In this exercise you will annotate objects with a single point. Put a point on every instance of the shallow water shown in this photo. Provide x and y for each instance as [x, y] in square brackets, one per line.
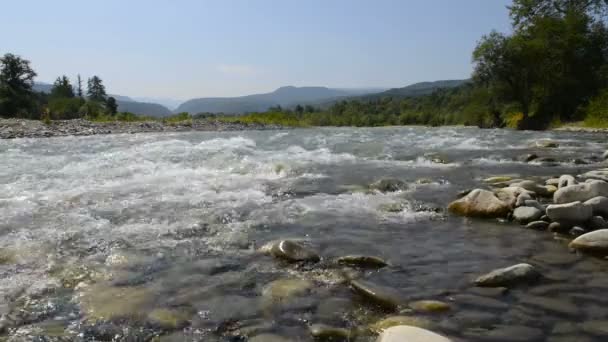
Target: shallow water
[172, 221]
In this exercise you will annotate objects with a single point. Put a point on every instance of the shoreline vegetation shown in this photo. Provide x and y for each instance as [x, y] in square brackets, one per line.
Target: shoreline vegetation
[551, 71]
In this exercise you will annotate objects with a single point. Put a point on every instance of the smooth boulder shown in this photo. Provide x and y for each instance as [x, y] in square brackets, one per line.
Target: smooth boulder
[532, 186]
[525, 215]
[599, 205]
[380, 295]
[605, 155]
[509, 276]
[593, 242]
[581, 192]
[290, 250]
[480, 203]
[575, 212]
[404, 333]
[566, 180]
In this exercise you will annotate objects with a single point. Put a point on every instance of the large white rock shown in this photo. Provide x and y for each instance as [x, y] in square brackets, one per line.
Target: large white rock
[532, 186]
[601, 174]
[525, 215]
[599, 205]
[575, 212]
[581, 192]
[595, 242]
[566, 180]
[480, 203]
[405, 333]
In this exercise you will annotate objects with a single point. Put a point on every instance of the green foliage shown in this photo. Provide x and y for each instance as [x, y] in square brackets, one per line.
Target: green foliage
[111, 106]
[272, 117]
[62, 88]
[65, 108]
[16, 81]
[597, 111]
[91, 109]
[96, 90]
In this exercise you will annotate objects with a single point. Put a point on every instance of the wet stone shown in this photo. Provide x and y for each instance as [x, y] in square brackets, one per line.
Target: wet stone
[169, 319]
[559, 306]
[538, 225]
[293, 251]
[269, 338]
[509, 276]
[322, 332]
[430, 306]
[480, 302]
[505, 333]
[596, 328]
[411, 334]
[388, 185]
[362, 261]
[377, 294]
[393, 321]
[284, 289]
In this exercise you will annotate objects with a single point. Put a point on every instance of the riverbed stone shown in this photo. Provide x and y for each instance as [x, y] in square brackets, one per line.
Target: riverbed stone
[526, 158]
[575, 212]
[430, 306]
[403, 333]
[538, 225]
[566, 180]
[363, 261]
[599, 205]
[576, 231]
[557, 306]
[597, 222]
[581, 192]
[605, 155]
[104, 303]
[511, 194]
[393, 321]
[497, 179]
[601, 174]
[322, 332]
[480, 203]
[552, 181]
[525, 215]
[377, 294]
[284, 289]
[546, 143]
[509, 276]
[506, 333]
[596, 327]
[269, 338]
[534, 187]
[388, 185]
[593, 242]
[522, 199]
[169, 319]
[290, 250]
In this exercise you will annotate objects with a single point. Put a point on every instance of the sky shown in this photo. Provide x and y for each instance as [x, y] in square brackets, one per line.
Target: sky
[183, 49]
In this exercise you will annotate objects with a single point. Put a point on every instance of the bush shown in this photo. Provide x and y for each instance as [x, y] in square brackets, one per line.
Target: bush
[597, 111]
[65, 108]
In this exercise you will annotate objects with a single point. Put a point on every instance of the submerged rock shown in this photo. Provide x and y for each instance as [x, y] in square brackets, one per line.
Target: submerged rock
[269, 338]
[594, 242]
[363, 261]
[105, 303]
[596, 328]
[546, 144]
[581, 192]
[284, 289]
[575, 212]
[526, 158]
[509, 276]
[388, 185]
[290, 250]
[169, 319]
[525, 215]
[498, 179]
[538, 225]
[324, 332]
[431, 306]
[380, 295]
[403, 333]
[480, 203]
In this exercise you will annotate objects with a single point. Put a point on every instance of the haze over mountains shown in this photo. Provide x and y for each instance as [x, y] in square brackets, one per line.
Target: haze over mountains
[286, 97]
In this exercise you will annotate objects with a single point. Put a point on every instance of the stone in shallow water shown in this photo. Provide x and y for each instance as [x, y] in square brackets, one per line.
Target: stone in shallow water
[525, 215]
[538, 225]
[577, 231]
[480, 302]
[362, 261]
[480, 203]
[290, 250]
[380, 295]
[324, 332]
[509, 276]
[597, 222]
[599, 205]
[284, 289]
[565, 180]
[506, 333]
[575, 212]
[404, 333]
[103, 303]
[594, 242]
[269, 338]
[558, 306]
[388, 185]
[546, 143]
[169, 319]
[596, 328]
[431, 306]
[581, 192]
[393, 321]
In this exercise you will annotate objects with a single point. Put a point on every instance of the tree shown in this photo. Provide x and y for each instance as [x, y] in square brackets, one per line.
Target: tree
[96, 90]
[111, 106]
[524, 12]
[62, 88]
[79, 86]
[16, 82]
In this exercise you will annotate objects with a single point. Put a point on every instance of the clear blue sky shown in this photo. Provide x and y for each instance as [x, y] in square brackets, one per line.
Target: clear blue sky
[195, 48]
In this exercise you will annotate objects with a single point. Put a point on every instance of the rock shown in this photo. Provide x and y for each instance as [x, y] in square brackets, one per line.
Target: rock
[556, 227]
[324, 332]
[596, 328]
[601, 174]
[575, 212]
[169, 319]
[522, 199]
[363, 261]
[404, 333]
[291, 251]
[559, 306]
[511, 194]
[105, 303]
[506, 333]
[581, 192]
[538, 225]
[525, 215]
[480, 302]
[545, 218]
[526, 158]
[509, 276]
[388, 185]
[284, 289]
[498, 179]
[435, 158]
[268, 338]
[463, 193]
[566, 180]
[605, 155]
[546, 143]
[380, 295]
[551, 189]
[599, 205]
[577, 231]
[393, 321]
[430, 306]
[480, 203]
[593, 242]
[532, 186]
[552, 181]
[597, 222]
[535, 204]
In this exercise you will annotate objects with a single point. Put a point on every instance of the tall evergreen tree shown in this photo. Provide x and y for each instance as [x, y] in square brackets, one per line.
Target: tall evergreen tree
[16, 82]
[111, 106]
[62, 88]
[96, 90]
[79, 86]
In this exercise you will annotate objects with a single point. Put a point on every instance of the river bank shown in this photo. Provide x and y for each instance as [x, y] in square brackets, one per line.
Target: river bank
[22, 128]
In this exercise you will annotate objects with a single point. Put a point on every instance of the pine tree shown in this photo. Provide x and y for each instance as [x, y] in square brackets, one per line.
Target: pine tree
[62, 88]
[79, 86]
[96, 90]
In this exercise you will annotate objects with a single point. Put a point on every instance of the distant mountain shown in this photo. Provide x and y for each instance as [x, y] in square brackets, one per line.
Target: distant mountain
[284, 96]
[143, 108]
[418, 89]
[42, 87]
[165, 101]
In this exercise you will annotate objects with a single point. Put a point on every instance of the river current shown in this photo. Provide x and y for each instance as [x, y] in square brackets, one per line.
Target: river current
[130, 237]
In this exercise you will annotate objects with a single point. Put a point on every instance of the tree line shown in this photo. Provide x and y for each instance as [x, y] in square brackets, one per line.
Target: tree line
[18, 98]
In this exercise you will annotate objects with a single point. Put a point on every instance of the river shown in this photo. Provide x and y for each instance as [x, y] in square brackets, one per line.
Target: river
[131, 236]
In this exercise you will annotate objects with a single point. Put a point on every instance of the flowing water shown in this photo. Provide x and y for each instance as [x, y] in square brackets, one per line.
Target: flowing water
[102, 235]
